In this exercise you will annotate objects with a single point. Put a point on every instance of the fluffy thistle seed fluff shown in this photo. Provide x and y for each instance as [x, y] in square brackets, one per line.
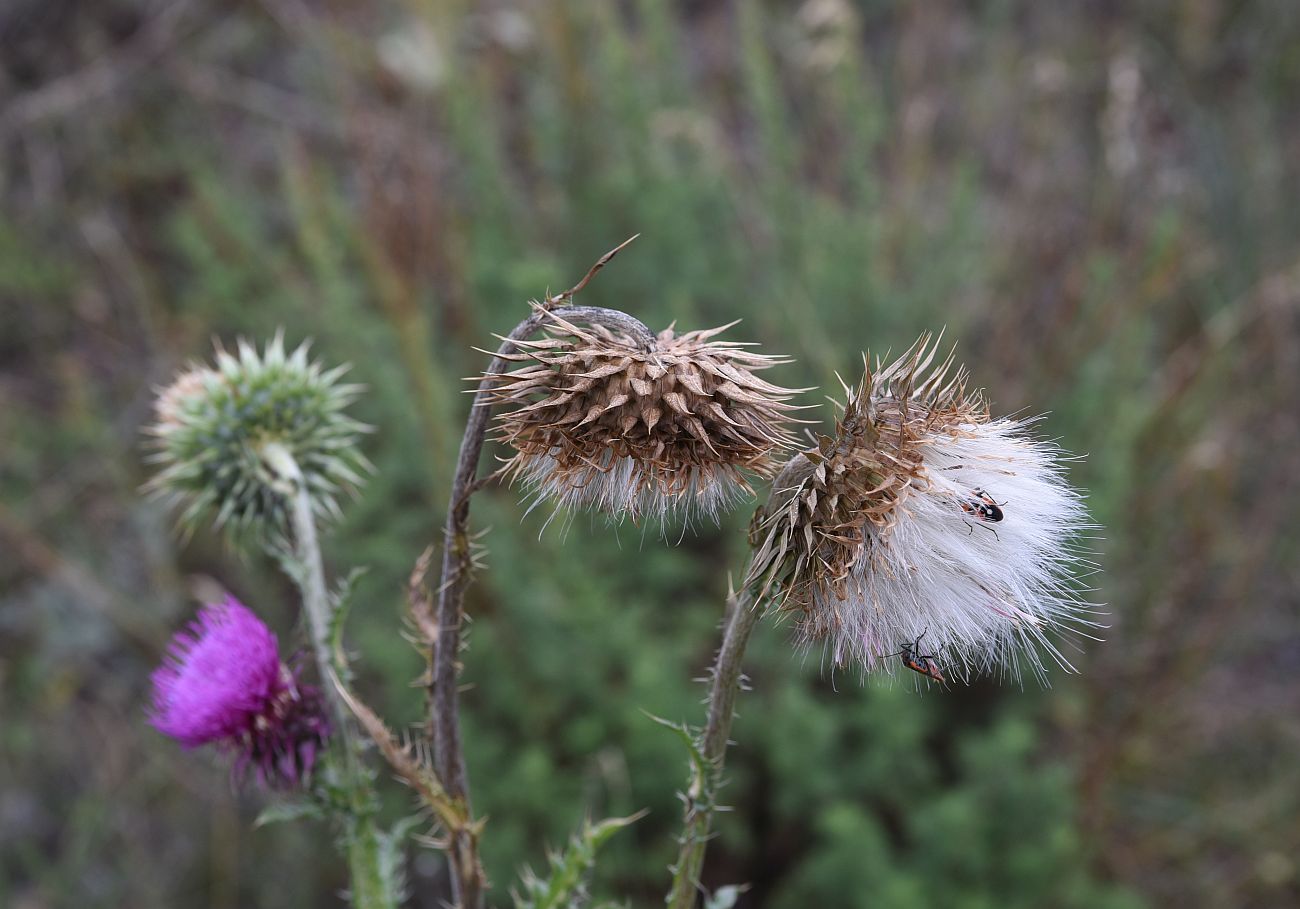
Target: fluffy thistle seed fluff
[597, 421]
[221, 434]
[925, 518]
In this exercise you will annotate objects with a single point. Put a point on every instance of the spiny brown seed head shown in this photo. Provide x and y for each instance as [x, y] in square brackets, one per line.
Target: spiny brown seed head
[829, 501]
[596, 420]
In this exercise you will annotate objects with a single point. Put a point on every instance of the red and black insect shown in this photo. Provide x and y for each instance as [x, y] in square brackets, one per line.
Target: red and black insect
[983, 508]
[923, 663]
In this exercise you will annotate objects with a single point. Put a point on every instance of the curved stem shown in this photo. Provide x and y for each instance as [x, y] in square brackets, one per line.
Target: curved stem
[743, 615]
[466, 872]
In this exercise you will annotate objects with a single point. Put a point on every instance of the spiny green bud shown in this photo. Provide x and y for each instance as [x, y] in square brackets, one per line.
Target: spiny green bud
[237, 438]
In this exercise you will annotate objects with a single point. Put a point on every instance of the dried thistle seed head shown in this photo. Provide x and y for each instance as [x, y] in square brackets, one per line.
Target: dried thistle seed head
[227, 437]
[923, 518]
[596, 420]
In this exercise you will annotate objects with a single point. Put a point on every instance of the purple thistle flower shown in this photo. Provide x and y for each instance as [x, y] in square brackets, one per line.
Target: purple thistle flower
[223, 682]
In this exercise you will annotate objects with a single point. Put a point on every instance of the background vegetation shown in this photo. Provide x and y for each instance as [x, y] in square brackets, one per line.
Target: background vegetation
[1098, 200]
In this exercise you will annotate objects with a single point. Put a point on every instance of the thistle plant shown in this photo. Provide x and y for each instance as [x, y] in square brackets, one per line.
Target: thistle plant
[919, 518]
[261, 443]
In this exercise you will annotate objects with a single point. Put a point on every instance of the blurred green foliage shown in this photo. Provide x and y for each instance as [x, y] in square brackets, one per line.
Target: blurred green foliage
[1097, 200]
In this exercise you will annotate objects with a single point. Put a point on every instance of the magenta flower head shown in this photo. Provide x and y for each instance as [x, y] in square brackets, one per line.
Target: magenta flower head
[223, 683]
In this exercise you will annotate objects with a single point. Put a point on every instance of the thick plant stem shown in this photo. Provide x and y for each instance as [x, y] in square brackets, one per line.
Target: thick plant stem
[743, 615]
[310, 577]
[316, 605]
[468, 882]
[370, 889]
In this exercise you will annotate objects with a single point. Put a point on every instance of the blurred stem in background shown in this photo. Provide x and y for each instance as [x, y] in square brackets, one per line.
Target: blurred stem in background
[370, 886]
[311, 583]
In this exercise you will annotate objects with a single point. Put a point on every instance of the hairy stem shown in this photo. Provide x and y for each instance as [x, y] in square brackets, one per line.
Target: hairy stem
[311, 580]
[466, 872]
[742, 615]
[365, 870]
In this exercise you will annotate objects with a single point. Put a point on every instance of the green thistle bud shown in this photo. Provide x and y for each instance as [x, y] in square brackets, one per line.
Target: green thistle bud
[236, 439]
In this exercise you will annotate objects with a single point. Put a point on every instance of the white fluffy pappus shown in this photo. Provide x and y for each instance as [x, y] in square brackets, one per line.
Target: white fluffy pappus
[621, 486]
[978, 594]
[924, 534]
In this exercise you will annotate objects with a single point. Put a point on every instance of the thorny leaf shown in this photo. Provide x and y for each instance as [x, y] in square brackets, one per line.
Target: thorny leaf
[566, 887]
[392, 865]
[340, 607]
[410, 765]
[702, 769]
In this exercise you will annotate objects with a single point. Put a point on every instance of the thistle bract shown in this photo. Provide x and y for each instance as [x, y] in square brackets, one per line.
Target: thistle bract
[598, 421]
[223, 683]
[232, 439]
[923, 518]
